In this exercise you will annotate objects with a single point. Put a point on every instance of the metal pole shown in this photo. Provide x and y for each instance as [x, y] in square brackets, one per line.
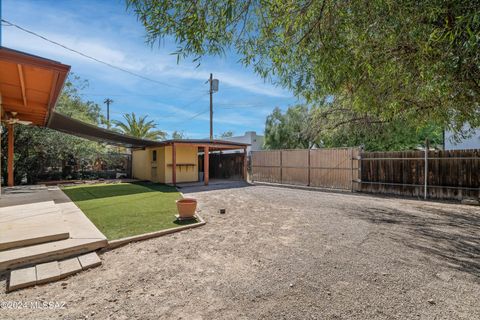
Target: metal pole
[426, 169]
[211, 107]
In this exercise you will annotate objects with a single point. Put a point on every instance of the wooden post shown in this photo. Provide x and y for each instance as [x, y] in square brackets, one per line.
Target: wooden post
[245, 160]
[174, 164]
[206, 151]
[427, 146]
[10, 155]
[281, 167]
[351, 169]
[308, 155]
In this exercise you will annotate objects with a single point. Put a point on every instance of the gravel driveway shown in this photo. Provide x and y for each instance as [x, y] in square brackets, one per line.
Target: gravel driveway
[283, 253]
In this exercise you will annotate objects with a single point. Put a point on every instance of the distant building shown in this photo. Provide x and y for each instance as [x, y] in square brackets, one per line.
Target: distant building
[472, 142]
[250, 137]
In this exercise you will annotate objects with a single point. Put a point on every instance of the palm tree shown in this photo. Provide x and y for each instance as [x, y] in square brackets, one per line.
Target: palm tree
[140, 128]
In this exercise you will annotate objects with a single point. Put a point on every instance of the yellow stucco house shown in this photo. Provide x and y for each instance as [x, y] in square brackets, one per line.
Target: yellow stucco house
[177, 161]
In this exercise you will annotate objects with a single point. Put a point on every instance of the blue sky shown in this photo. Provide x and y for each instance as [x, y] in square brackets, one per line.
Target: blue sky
[105, 30]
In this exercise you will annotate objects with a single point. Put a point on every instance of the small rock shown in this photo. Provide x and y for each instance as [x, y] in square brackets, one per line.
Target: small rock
[64, 284]
[291, 285]
[431, 301]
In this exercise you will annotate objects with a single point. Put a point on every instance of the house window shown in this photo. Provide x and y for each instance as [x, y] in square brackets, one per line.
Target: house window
[154, 155]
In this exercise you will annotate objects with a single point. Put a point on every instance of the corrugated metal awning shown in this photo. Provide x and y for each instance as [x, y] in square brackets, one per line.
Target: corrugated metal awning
[88, 131]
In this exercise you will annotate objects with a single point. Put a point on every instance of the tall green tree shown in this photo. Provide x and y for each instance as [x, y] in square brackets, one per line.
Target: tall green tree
[288, 130]
[415, 60]
[330, 125]
[139, 127]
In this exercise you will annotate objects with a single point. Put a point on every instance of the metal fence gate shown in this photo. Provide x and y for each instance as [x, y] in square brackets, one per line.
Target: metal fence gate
[325, 168]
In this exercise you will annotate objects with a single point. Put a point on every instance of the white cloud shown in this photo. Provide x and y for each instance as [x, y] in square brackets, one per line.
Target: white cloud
[231, 78]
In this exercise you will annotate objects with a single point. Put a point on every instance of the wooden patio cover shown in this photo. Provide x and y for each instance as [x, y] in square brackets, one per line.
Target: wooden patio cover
[29, 89]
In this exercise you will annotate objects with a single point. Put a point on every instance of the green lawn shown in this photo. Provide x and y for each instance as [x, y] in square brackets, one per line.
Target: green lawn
[127, 209]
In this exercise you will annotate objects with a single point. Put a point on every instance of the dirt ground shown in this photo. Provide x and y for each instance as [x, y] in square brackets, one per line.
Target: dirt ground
[283, 253]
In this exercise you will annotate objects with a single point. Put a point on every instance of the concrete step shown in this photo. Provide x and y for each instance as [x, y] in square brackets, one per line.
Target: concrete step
[45, 252]
[24, 225]
[51, 271]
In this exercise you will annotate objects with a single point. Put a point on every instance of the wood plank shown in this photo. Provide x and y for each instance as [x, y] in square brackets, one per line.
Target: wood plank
[22, 84]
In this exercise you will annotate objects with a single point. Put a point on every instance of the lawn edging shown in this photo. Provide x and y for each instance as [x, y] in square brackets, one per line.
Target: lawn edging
[113, 244]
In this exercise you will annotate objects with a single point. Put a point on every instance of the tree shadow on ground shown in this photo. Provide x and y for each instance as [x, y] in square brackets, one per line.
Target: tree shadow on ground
[451, 237]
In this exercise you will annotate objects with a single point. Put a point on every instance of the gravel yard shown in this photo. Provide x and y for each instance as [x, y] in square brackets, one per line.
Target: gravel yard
[283, 253]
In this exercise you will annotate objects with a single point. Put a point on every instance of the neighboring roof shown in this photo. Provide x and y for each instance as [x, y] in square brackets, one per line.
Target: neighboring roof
[85, 130]
[30, 85]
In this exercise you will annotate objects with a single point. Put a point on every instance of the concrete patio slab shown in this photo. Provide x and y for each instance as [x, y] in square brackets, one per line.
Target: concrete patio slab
[22, 278]
[89, 260]
[47, 272]
[30, 224]
[54, 212]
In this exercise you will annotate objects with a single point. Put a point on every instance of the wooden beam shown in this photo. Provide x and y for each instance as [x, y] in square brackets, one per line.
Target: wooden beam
[210, 145]
[174, 164]
[206, 165]
[22, 84]
[52, 99]
[10, 154]
[16, 103]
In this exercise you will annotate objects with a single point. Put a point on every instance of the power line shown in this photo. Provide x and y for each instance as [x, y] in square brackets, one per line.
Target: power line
[172, 115]
[90, 57]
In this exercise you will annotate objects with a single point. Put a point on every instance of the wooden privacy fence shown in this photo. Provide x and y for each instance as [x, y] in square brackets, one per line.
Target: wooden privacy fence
[325, 168]
[451, 174]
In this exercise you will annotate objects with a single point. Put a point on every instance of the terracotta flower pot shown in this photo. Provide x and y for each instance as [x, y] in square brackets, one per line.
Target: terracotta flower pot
[186, 207]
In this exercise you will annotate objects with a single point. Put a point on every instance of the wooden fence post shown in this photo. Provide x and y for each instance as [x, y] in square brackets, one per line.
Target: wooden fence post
[308, 155]
[351, 169]
[281, 167]
[359, 163]
[426, 169]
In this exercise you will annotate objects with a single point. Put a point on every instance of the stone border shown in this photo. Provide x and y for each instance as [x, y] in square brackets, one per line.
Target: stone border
[113, 244]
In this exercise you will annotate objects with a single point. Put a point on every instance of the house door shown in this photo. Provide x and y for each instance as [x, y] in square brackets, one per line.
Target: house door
[153, 173]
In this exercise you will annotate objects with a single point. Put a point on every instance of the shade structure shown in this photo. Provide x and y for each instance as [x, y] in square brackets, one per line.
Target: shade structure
[88, 131]
[29, 89]
[29, 85]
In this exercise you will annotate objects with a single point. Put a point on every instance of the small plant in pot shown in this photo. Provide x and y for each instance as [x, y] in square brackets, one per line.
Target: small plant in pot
[186, 208]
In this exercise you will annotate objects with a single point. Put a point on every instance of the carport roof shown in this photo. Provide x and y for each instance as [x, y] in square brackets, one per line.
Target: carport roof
[88, 131]
[30, 85]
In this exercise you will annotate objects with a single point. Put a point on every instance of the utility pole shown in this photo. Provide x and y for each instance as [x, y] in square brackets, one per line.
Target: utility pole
[211, 108]
[213, 88]
[108, 101]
